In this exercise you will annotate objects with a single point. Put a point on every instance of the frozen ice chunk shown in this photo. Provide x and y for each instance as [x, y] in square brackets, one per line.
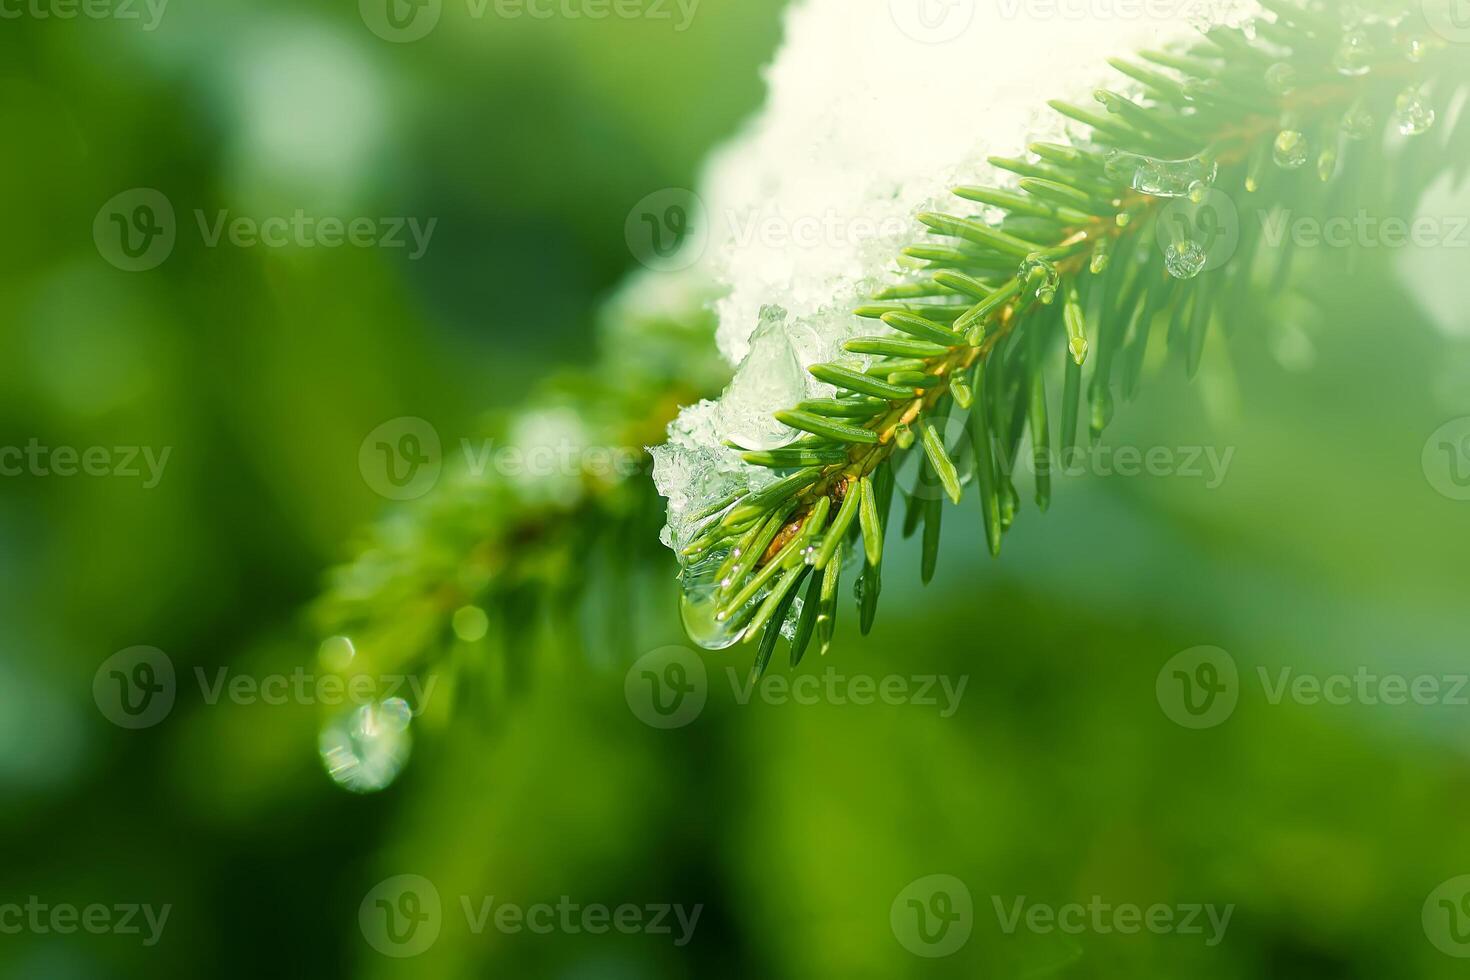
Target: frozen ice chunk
[769, 375]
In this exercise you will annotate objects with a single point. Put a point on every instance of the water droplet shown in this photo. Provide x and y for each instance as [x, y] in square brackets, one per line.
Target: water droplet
[1355, 55]
[1101, 414]
[1412, 114]
[336, 653]
[1290, 150]
[1198, 191]
[470, 623]
[700, 600]
[1358, 123]
[1185, 259]
[1327, 164]
[1281, 78]
[1160, 178]
[1042, 275]
[365, 748]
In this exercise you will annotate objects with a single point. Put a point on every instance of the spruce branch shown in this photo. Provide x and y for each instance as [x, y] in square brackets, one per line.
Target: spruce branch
[484, 560]
[1060, 271]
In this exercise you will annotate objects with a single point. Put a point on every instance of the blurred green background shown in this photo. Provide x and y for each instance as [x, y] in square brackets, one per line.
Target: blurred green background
[795, 827]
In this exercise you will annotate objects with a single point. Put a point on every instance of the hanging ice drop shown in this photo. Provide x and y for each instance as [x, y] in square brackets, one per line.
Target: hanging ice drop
[769, 375]
[1412, 114]
[1159, 178]
[1185, 259]
[1290, 150]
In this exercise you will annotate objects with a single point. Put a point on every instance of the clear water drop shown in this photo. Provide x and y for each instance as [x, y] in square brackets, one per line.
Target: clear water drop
[1358, 123]
[1281, 78]
[1043, 274]
[1290, 150]
[1160, 178]
[1355, 55]
[1412, 114]
[470, 623]
[1414, 46]
[1185, 259]
[365, 748]
[336, 653]
[700, 600]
